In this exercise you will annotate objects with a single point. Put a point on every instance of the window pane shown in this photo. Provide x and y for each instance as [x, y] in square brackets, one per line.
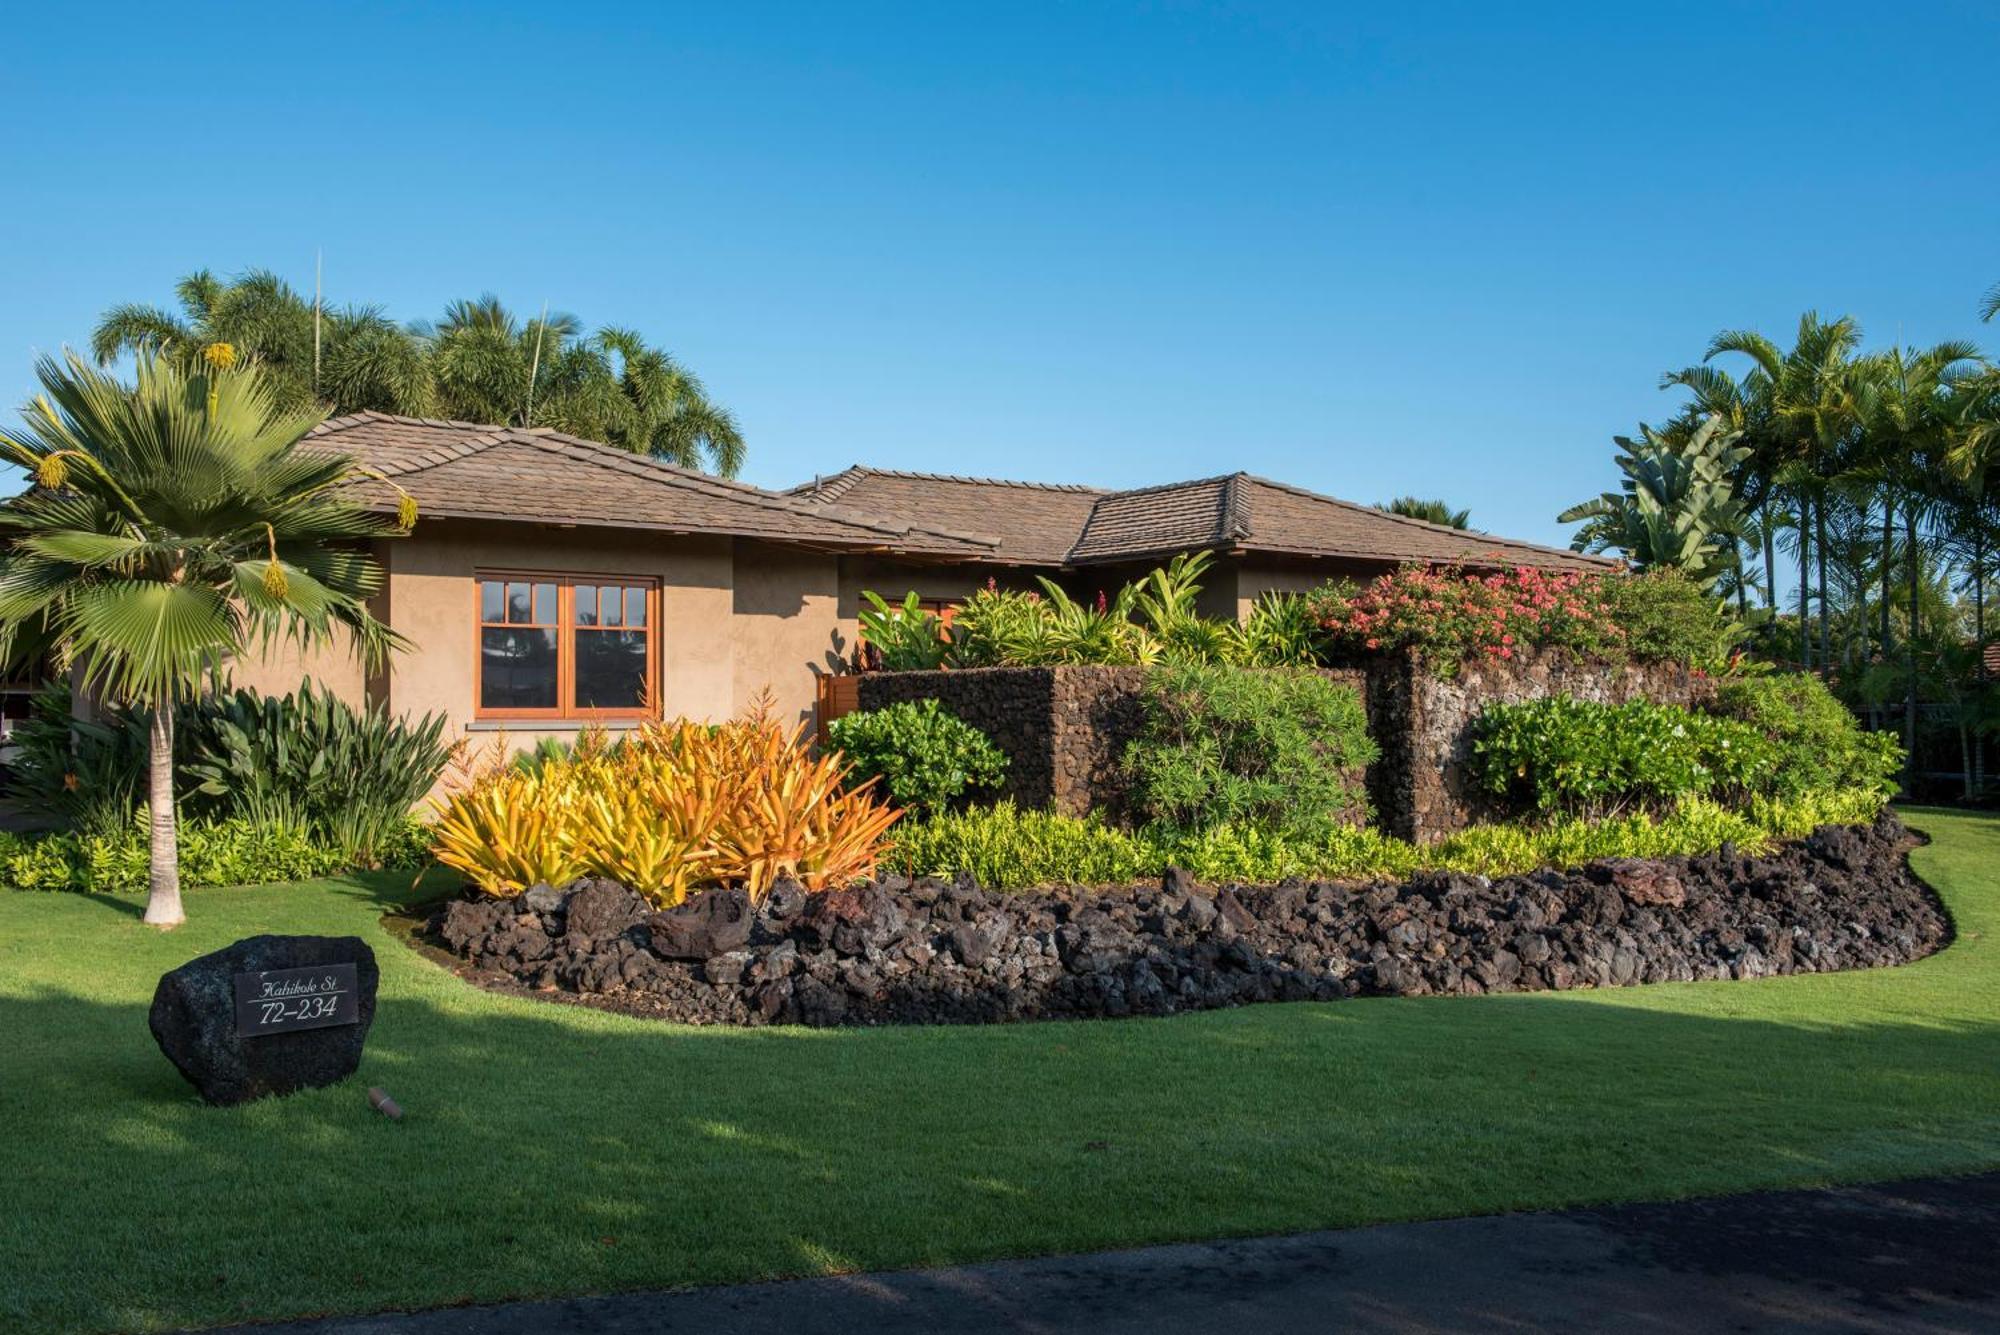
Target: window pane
[545, 604]
[492, 600]
[635, 607]
[517, 668]
[518, 607]
[586, 604]
[610, 669]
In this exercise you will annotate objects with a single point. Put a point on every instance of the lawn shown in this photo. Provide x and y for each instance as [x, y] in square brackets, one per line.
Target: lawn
[555, 1150]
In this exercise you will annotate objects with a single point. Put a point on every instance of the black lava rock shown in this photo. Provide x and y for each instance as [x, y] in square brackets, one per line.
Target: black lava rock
[193, 1019]
[935, 952]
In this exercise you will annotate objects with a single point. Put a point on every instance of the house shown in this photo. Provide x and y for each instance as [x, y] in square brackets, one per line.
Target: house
[553, 582]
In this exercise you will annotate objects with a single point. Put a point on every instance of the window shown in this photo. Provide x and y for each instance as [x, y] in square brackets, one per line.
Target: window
[573, 646]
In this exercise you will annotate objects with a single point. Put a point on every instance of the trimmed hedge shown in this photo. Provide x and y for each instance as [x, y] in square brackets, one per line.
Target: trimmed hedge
[226, 852]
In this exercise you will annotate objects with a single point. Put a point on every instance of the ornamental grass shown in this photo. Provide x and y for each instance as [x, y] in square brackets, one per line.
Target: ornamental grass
[672, 807]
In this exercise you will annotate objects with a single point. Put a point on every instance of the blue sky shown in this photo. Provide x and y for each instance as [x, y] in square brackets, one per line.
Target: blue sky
[1372, 249]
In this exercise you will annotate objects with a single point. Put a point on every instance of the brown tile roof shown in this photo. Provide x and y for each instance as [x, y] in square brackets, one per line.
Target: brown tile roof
[1043, 524]
[467, 471]
[1033, 523]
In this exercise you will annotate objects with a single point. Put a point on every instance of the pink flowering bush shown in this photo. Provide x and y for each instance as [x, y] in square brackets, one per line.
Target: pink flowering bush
[1453, 615]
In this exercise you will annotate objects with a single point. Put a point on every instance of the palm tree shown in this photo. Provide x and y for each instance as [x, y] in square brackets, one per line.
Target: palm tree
[1677, 507]
[476, 363]
[353, 357]
[610, 386]
[173, 524]
[1432, 512]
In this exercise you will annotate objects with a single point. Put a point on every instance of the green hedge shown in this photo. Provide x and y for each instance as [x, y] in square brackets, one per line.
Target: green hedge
[227, 852]
[1006, 848]
[1779, 736]
[1276, 748]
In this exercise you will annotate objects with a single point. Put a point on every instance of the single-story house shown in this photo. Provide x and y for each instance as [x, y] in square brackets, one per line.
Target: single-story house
[553, 582]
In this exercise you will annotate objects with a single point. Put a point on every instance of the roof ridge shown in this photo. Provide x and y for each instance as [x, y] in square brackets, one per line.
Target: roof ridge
[1446, 530]
[854, 473]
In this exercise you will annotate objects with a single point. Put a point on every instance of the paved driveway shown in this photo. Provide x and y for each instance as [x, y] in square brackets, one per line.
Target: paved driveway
[1911, 1256]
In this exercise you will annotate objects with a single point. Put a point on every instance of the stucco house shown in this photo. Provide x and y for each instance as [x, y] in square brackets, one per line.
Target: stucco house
[554, 582]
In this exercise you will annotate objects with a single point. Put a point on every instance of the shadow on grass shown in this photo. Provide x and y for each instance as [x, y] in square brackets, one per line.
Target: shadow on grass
[551, 1150]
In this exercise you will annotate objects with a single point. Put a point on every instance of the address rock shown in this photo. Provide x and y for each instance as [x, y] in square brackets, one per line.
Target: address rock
[193, 1018]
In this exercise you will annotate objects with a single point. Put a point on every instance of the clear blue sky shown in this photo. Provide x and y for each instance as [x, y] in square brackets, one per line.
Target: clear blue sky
[1371, 249]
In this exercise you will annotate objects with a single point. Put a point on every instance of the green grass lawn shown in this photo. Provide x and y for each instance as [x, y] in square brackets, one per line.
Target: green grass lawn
[553, 1150]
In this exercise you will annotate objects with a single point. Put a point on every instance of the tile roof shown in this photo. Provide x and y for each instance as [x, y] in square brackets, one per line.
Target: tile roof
[1033, 523]
[466, 470]
[1044, 524]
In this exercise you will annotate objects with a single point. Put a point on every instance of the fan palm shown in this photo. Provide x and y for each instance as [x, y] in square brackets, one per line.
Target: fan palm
[173, 524]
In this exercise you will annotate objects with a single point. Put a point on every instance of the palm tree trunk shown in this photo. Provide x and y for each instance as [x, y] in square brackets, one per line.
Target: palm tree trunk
[1888, 571]
[1910, 656]
[1819, 554]
[1979, 636]
[1805, 582]
[1770, 559]
[163, 898]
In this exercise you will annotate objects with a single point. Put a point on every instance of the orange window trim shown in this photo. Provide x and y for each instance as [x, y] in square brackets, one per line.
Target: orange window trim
[566, 630]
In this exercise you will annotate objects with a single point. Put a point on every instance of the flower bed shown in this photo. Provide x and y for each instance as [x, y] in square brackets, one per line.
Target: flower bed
[930, 951]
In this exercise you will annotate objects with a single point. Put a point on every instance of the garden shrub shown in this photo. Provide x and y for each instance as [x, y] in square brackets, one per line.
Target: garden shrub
[677, 805]
[1818, 742]
[1280, 749]
[347, 777]
[236, 851]
[923, 758]
[1005, 847]
[1583, 758]
[1452, 616]
[901, 638]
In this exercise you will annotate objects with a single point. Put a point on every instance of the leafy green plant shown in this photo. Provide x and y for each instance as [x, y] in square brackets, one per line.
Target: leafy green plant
[227, 852]
[1819, 744]
[1584, 758]
[924, 759]
[1007, 848]
[1281, 631]
[79, 774]
[1281, 749]
[904, 637]
[349, 777]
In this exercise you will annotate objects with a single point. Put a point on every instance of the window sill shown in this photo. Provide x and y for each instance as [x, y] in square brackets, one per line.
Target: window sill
[556, 724]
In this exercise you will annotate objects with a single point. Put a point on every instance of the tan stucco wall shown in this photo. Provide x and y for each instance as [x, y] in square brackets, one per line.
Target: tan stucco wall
[279, 668]
[785, 626]
[1256, 577]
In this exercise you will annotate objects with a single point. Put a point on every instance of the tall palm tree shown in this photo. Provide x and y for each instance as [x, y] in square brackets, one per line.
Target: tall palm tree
[1811, 425]
[352, 357]
[476, 363]
[173, 524]
[1433, 511]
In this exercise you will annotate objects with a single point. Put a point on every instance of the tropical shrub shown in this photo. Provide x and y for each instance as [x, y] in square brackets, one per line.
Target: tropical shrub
[1453, 616]
[1583, 758]
[925, 759]
[235, 851]
[348, 777]
[902, 638]
[1280, 749]
[1819, 743]
[675, 806]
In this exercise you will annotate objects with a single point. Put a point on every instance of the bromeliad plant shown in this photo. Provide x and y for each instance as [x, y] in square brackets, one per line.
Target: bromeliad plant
[173, 524]
[675, 806]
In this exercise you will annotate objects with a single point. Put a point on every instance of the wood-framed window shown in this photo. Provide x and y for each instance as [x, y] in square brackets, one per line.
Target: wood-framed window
[565, 646]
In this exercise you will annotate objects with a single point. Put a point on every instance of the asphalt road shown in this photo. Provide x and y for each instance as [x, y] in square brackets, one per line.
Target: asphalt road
[1911, 1256]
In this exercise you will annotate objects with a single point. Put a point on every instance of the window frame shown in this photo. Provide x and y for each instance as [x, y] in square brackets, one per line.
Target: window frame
[565, 710]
